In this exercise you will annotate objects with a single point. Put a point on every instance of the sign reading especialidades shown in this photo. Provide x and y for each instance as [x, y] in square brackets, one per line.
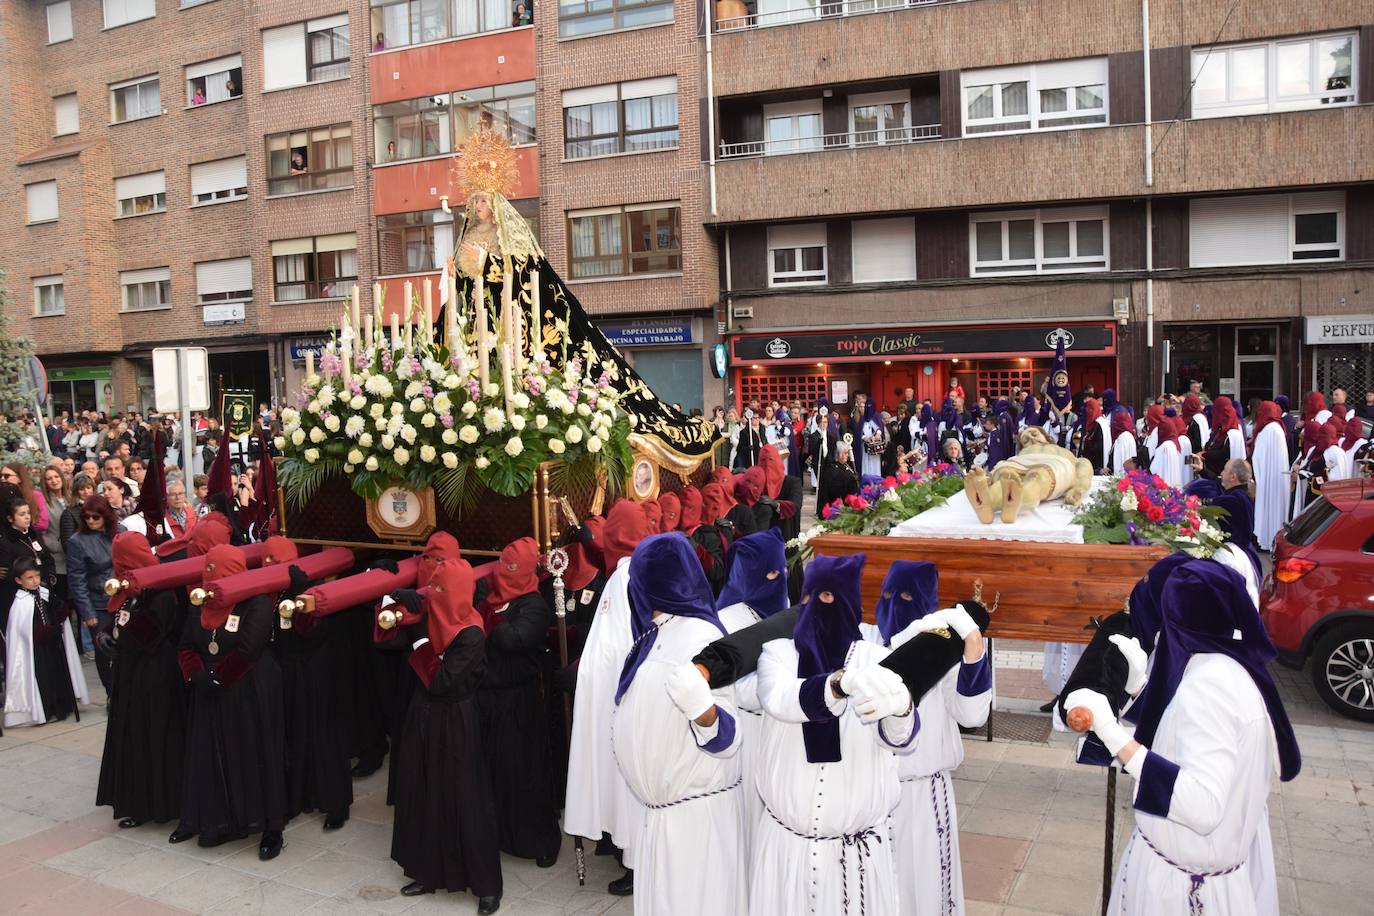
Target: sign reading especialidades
[1340, 329]
[649, 332]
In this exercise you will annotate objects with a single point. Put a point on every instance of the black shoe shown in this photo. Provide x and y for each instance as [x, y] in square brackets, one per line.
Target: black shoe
[415, 889]
[488, 905]
[548, 861]
[623, 886]
[335, 821]
[181, 834]
[604, 846]
[270, 846]
[364, 768]
[1050, 705]
[128, 822]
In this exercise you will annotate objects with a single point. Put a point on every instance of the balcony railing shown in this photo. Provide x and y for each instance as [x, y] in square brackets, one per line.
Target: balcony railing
[804, 11]
[859, 139]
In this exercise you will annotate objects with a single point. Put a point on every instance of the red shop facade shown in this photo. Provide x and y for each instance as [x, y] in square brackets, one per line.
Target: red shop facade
[987, 360]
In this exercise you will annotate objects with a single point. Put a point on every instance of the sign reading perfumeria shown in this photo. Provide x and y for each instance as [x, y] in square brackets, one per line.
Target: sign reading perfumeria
[1340, 329]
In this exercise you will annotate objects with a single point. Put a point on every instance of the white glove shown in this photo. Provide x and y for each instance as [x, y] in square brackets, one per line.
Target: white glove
[1108, 730]
[1136, 659]
[959, 620]
[879, 693]
[689, 691]
[917, 627]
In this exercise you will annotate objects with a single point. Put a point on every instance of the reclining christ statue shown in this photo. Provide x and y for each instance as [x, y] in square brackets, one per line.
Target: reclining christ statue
[1039, 471]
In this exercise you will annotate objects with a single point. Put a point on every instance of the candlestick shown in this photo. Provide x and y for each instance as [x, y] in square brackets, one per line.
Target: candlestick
[357, 306]
[369, 340]
[347, 353]
[507, 360]
[479, 305]
[309, 364]
[427, 297]
[377, 296]
[395, 330]
[536, 316]
[451, 324]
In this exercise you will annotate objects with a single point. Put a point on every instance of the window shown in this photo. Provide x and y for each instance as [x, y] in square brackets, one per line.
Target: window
[1038, 241]
[1049, 96]
[66, 115]
[437, 125]
[214, 81]
[413, 242]
[410, 22]
[48, 297]
[122, 12]
[884, 249]
[620, 118]
[317, 159]
[587, 17]
[140, 98]
[219, 181]
[796, 255]
[305, 52]
[793, 127]
[59, 22]
[136, 195]
[325, 267]
[230, 280]
[880, 117]
[42, 201]
[1266, 229]
[624, 241]
[1274, 76]
[146, 289]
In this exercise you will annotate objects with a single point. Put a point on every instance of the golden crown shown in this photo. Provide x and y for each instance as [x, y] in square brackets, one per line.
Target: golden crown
[487, 163]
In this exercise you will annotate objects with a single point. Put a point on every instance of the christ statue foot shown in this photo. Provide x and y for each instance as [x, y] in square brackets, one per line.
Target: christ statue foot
[1011, 496]
[979, 496]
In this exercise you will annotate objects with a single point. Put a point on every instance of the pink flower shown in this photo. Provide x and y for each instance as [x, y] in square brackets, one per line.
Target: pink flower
[903, 477]
[1123, 485]
[1159, 482]
[447, 420]
[1192, 502]
[1154, 514]
[890, 482]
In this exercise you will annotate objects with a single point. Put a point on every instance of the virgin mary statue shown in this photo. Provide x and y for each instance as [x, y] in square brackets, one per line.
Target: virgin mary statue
[495, 242]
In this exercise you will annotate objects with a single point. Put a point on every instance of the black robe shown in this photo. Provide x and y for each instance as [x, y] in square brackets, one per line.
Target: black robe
[318, 776]
[445, 833]
[791, 492]
[235, 757]
[837, 481]
[1092, 448]
[365, 685]
[514, 733]
[145, 738]
[16, 545]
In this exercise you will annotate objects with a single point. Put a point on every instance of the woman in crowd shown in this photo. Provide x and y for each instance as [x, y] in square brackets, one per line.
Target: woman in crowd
[18, 540]
[90, 561]
[56, 498]
[120, 496]
[952, 453]
[18, 475]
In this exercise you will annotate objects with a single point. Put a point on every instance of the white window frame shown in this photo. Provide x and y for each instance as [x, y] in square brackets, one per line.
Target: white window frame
[28, 203]
[1037, 77]
[63, 32]
[224, 195]
[797, 143]
[1293, 206]
[142, 279]
[1039, 264]
[57, 116]
[793, 239]
[892, 268]
[105, 8]
[1272, 100]
[219, 296]
[885, 132]
[136, 83]
[223, 66]
[158, 198]
[53, 281]
[1303, 204]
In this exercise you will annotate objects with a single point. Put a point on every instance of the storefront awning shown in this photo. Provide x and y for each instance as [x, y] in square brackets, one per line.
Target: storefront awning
[963, 342]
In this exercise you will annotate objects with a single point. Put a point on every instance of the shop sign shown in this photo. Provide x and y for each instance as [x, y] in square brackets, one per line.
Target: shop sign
[223, 313]
[1340, 329]
[1012, 340]
[303, 345]
[648, 332]
[80, 374]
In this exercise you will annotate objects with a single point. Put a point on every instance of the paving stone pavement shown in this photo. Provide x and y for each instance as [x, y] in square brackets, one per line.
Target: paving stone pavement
[1031, 835]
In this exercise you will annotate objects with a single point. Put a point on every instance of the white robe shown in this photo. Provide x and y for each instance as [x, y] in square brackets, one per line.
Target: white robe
[1168, 463]
[1232, 557]
[1300, 488]
[23, 704]
[1123, 449]
[598, 800]
[1204, 427]
[925, 827]
[1060, 660]
[1236, 439]
[1271, 483]
[746, 698]
[872, 464]
[836, 815]
[1338, 463]
[1185, 449]
[1217, 731]
[1152, 441]
[690, 857]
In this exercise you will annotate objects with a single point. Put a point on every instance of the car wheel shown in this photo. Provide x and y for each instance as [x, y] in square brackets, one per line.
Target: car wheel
[1343, 670]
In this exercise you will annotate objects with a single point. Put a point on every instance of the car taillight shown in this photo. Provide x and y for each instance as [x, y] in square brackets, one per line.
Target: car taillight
[1291, 570]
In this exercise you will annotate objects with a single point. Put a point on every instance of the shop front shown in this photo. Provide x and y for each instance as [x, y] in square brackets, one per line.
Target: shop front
[986, 361]
[667, 353]
[1248, 360]
[76, 388]
[1342, 353]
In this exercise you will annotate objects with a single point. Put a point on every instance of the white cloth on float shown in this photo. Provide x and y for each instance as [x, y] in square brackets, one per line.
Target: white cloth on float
[1270, 463]
[1050, 522]
[23, 703]
[598, 799]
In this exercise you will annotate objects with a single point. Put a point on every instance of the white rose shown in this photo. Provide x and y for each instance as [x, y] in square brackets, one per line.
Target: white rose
[290, 415]
[428, 421]
[354, 427]
[514, 446]
[442, 402]
[468, 434]
[450, 436]
[520, 400]
[414, 388]
[298, 437]
[492, 389]
[365, 440]
[357, 402]
[376, 411]
[517, 422]
[355, 456]
[540, 421]
[583, 410]
[371, 464]
[312, 455]
[313, 407]
[482, 462]
[279, 443]
[417, 405]
[634, 421]
[556, 446]
[380, 423]
[331, 423]
[468, 409]
[397, 408]
[408, 433]
[348, 468]
[401, 456]
[574, 434]
[450, 460]
[594, 444]
[388, 441]
[428, 454]
[493, 419]
[451, 381]
[566, 406]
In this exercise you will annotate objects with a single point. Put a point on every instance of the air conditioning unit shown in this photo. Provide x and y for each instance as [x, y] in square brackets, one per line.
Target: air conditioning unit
[744, 311]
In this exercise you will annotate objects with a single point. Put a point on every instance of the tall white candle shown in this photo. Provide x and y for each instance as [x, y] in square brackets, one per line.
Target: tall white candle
[427, 298]
[346, 351]
[536, 316]
[479, 305]
[356, 311]
[309, 364]
[395, 331]
[369, 341]
[507, 361]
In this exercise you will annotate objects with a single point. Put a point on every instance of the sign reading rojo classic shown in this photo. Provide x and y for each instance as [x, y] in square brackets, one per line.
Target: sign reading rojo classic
[1007, 340]
[1340, 329]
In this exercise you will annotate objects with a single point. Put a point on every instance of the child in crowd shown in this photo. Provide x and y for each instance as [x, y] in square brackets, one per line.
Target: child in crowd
[45, 680]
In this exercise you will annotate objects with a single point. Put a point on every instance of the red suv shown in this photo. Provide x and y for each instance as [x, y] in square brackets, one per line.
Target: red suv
[1318, 603]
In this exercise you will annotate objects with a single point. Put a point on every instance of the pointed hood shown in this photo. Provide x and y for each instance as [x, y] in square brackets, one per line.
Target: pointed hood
[750, 562]
[827, 625]
[626, 526]
[130, 551]
[774, 471]
[911, 590]
[221, 562]
[691, 510]
[448, 603]
[517, 572]
[670, 509]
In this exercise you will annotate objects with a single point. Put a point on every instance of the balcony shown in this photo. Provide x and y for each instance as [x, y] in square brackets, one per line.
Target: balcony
[754, 15]
[892, 136]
